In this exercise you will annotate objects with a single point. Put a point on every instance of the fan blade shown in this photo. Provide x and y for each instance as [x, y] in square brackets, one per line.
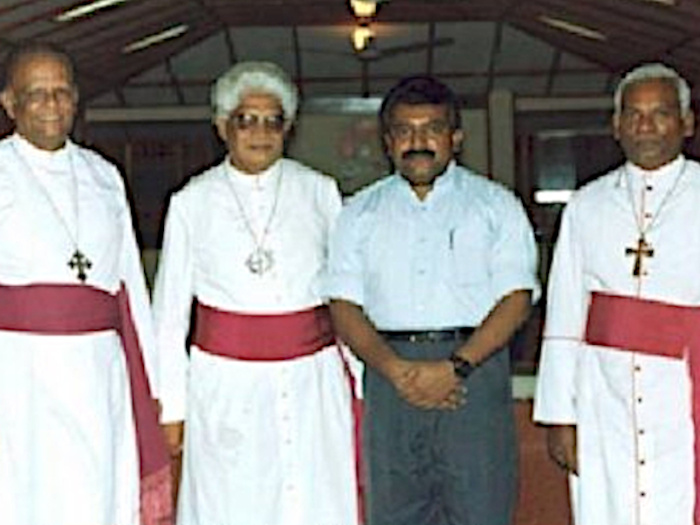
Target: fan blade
[321, 51]
[416, 46]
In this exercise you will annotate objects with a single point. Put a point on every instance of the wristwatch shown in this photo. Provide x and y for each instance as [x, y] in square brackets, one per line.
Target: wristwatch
[462, 367]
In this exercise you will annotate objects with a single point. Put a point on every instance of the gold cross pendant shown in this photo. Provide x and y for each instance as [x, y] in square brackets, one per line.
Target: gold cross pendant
[642, 250]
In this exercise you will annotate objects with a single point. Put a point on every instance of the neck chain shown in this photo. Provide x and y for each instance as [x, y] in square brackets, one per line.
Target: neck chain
[644, 248]
[78, 261]
[261, 259]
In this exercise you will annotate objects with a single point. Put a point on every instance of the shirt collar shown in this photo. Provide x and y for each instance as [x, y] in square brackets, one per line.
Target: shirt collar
[41, 159]
[442, 183]
[259, 180]
[661, 177]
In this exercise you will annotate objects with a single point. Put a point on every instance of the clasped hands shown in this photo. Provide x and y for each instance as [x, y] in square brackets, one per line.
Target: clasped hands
[428, 384]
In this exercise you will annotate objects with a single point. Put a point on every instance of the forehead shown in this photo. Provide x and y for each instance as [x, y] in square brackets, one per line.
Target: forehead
[419, 112]
[651, 91]
[259, 101]
[39, 69]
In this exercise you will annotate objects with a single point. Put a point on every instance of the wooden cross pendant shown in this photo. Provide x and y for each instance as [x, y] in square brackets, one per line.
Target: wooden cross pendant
[80, 263]
[642, 250]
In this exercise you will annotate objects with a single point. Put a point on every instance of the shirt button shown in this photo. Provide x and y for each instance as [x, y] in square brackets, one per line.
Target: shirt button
[642, 494]
[642, 462]
[650, 187]
[648, 215]
[641, 432]
[639, 399]
[637, 368]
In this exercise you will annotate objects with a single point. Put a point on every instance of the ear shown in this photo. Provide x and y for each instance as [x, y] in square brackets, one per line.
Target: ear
[688, 124]
[288, 124]
[616, 126]
[220, 124]
[386, 138]
[457, 138]
[8, 101]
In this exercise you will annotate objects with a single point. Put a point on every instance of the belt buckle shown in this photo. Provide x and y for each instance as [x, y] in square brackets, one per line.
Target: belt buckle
[432, 336]
[429, 336]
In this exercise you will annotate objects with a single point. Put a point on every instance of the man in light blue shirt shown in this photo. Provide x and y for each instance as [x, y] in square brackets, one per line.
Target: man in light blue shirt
[431, 271]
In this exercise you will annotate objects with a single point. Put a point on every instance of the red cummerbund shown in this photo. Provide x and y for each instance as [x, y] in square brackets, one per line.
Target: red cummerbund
[265, 337]
[641, 325]
[57, 309]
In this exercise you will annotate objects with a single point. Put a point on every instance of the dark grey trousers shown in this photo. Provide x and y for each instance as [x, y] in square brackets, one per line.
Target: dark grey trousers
[435, 467]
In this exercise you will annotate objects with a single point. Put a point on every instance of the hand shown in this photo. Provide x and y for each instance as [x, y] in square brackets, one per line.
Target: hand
[173, 433]
[561, 445]
[428, 384]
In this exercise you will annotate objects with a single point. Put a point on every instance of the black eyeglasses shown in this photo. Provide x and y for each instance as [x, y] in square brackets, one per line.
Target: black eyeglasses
[248, 121]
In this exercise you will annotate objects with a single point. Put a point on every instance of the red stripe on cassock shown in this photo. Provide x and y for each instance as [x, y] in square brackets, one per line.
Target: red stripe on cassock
[58, 309]
[654, 328]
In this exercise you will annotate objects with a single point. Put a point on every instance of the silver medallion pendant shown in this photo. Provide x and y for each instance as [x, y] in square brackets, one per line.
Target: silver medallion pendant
[260, 261]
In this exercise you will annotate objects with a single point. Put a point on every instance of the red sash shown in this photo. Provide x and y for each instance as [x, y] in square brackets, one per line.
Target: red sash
[654, 328]
[262, 337]
[60, 309]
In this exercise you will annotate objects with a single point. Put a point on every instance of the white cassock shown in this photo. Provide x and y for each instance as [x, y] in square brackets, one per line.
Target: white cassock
[266, 443]
[633, 411]
[67, 445]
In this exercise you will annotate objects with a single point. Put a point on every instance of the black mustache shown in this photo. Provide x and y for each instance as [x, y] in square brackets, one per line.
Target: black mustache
[418, 152]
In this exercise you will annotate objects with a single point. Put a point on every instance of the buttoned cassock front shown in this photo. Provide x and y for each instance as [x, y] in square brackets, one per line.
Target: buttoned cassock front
[632, 411]
[67, 446]
[267, 443]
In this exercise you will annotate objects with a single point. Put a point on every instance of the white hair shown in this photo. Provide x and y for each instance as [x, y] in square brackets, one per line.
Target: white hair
[654, 71]
[253, 77]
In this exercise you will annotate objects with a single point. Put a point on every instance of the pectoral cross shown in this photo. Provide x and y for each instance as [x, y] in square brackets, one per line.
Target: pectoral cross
[642, 250]
[80, 263]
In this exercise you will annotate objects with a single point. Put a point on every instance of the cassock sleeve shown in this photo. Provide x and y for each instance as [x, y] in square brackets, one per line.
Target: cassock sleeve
[567, 300]
[330, 204]
[139, 303]
[172, 303]
[344, 278]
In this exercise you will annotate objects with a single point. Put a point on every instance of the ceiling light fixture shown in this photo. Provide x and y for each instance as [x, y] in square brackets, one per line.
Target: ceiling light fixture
[364, 8]
[157, 38]
[575, 29]
[361, 37]
[86, 9]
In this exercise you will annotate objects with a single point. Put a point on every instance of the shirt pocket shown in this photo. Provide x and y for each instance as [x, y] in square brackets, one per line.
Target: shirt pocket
[468, 253]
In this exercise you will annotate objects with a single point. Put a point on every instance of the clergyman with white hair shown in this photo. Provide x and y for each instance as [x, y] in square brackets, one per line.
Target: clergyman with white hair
[619, 377]
[263, 392]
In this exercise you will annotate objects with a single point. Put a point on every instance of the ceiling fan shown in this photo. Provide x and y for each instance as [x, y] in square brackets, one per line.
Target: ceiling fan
[372, 52]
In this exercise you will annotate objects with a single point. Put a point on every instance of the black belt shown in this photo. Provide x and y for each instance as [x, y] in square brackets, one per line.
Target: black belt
[427, 336]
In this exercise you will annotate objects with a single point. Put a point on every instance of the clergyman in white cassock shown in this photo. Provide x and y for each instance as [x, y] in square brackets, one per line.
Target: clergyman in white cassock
[68, 443]
[268, 426]
[630, 239]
